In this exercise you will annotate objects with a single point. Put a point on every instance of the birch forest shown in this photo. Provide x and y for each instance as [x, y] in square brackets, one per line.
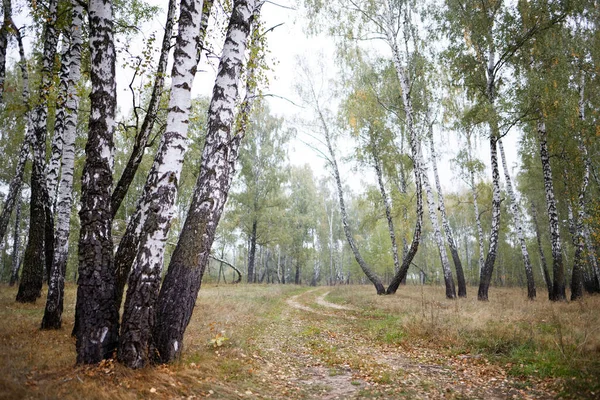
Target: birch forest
[300, 199]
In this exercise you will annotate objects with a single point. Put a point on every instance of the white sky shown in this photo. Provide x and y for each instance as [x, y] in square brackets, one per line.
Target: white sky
[286, 43]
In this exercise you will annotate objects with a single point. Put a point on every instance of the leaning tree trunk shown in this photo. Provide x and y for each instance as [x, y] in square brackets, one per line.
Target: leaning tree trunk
[437, 234]
[16, 262]
[371, 275]
[558, 285]
[157, 204]
[129, 244]
[405, 84]
[518, 219]
[460, 275]
[38, 245]
[544, 264]
[54, 304]
[96, 315]
[388, 207]
[183, 279]
[142, 136]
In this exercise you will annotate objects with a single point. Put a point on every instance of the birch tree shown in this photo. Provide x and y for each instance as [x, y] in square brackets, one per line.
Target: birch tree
[156, 206]
[69, 81]
[40, 238]
[96, 315]
[184, 276]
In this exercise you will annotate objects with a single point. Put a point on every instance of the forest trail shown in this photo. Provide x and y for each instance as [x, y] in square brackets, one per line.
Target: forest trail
[318, 349]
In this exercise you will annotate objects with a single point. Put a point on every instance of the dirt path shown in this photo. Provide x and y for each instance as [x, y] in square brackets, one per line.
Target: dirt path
[319, 350]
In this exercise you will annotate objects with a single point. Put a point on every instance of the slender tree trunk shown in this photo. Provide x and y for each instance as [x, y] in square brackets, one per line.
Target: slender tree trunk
[518, 220]
[593, 256]
[578, 239]
[480, 239]
[158, 197]
[485, 276]
[72, 59]
[130, 242]
[558, 285]
[233, 267]
[252, 253]
[16, 262]
[142, 136]
[387, 205]
[38, 245]
[181, 284]
[297, 275]
[460, 275]
[96, 315]
[544, 264]
[372, 276]
[56, 148]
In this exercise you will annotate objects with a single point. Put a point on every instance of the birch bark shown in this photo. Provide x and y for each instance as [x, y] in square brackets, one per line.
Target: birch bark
[96, 316]
[142, 136]
[72, 59]
[16, 261]
[158, 198]
[476, 207]
[129, 244]
[183, 279]
[558, 285]
[518, 220]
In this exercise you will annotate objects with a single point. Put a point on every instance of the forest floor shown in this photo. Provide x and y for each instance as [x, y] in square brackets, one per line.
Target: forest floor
[292, 342]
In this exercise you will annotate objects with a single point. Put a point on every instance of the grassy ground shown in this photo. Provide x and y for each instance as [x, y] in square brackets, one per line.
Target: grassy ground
[280, 342]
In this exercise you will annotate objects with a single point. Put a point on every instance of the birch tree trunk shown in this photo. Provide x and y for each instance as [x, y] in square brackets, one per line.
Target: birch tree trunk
[578, 238]
[476, 208]
[593, 257]
[252, 253]
[14, 187]
[40, 243]
[156, 205]
[72, 59]
[460, 276]
[129, 244]
[387, 205]
[53, 167]
[418, 166]
[142, 136]
[544, 264]
[16, 261]
[558, 285]
[518, 219]
[485, 276]
[183, 279]
[96, 315]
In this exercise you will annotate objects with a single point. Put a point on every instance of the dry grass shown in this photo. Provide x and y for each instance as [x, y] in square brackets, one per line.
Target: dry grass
[41, 364]
[533, 338]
